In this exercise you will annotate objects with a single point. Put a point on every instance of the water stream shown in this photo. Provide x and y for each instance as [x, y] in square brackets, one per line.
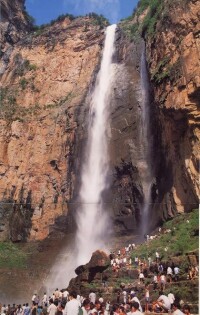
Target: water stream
[146, 171]
[92, 218]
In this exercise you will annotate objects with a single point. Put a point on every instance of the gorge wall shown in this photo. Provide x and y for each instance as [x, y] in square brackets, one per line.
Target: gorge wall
[46, 76]
[173, 56]
[43, 89]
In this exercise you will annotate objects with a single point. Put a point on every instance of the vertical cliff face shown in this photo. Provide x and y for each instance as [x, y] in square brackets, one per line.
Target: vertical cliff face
[173, 59]
[43, 110]
[126, 147]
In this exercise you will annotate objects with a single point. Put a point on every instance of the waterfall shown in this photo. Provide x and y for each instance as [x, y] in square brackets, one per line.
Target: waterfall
[146, 171]
[92, 218]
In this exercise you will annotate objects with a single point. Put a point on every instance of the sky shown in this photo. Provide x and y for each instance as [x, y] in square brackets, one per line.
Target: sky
[44, 11]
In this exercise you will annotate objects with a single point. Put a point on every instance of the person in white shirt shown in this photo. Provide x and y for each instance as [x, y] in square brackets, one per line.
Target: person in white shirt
[175, 309]
[52, 308]
[141, 277]
[169, 273]
[164, 303]
[176, 272]
[155, 282]
[162, 281]
[3, 309]
[44, 299]
[65, 294]
[134, 309]
[34, 297]
[171, 297]
[157, 257]
[72, 307]
[134, 298]
[92, 297]
[124, 293]
[86, 306]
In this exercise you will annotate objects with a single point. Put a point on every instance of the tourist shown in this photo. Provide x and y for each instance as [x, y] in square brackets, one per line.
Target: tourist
[171, 297]
[86, 306]
[92, 297]
[115, 310]
[169, 273]
[176, 273]
[19, 310]
[34, 309]
[34, 297]
[27, 310]
[146, 298]
[56, 294]
[186, 309]
[65, 294]
[176, 308]
[162, 282]
[124, 293]
[134, 309]
[52, 308]
[141, 277]
[162, 303]
[157, 257]
[44, 299]
[72, 307]
[133, 298]
[155, 282]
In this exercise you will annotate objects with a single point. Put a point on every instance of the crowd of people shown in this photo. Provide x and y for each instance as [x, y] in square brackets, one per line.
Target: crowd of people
[64, 303]
[126, 301]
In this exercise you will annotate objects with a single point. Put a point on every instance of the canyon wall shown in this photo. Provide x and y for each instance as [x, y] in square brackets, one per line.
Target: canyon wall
[43, 114]
[173, 56]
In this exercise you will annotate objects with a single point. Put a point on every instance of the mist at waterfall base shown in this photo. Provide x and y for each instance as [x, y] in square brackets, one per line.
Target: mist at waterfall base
[146, 172]
[93, 224]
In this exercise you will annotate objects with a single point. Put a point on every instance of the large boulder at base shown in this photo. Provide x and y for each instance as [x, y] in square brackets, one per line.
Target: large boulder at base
[94, 269]
[98, 263]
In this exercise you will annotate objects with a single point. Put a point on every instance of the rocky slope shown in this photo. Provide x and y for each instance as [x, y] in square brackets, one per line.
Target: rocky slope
[98, 275]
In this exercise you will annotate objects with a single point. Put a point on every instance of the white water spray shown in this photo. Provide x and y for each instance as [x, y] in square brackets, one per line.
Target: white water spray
[92, 218]
[146, 171]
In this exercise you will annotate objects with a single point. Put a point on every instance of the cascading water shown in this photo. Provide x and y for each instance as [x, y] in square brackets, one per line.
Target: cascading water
[146, 171]
[92, 219]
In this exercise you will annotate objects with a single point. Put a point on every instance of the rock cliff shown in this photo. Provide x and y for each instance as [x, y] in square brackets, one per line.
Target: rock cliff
[43, 115]
[173, 60]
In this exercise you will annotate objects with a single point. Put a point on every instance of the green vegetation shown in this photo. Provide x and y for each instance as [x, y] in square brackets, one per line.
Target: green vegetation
[182, 239]
[147, 27]
[23, 82]
[142, 5]
[152, 17]
[10, 110]
[11, 256]
[23, 65]
[164, 70]
[98, 19]
[38, 30]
